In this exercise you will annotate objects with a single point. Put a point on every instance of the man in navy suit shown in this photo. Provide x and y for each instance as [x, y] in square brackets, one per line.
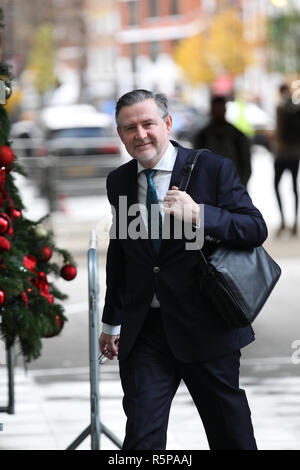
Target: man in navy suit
[155, 319]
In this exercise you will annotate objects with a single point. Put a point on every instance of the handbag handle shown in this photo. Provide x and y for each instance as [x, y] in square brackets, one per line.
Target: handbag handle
[186, 175]
[188, 169]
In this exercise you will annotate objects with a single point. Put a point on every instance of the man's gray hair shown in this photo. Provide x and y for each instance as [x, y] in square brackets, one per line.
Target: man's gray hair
[136, 96]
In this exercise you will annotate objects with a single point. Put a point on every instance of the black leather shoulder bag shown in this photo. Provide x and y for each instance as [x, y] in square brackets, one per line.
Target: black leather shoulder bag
[236, 282]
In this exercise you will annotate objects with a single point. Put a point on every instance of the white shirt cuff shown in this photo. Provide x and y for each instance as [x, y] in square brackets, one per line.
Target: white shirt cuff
[111, 329]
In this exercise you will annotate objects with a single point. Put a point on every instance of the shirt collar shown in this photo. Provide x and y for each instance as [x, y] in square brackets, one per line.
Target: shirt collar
[167, 161]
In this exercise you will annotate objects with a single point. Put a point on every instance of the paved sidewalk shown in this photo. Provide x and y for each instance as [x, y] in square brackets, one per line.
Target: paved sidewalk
[53, 408]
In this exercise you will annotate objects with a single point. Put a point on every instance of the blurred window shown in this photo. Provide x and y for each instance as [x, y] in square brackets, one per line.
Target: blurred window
[133, 48]
[79, 132]
[175, 7]
[153, 8]
[154, 50]
[133, 12]
[175, 43]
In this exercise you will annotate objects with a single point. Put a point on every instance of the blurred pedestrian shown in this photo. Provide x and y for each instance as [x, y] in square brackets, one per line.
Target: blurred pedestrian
[287, 150]
[155, 318]
[226, 140]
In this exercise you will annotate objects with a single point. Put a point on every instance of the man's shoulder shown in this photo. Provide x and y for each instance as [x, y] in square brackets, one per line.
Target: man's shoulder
[210, 159]
[212, 164]
[288, 107]
[121, 171]
[207, 156]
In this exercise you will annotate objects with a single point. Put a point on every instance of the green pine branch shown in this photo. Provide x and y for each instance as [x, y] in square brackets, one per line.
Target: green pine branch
[28, 313]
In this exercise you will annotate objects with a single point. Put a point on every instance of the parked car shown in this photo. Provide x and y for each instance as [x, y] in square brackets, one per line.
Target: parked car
[78, 130]
[77, 148]
[27, 138]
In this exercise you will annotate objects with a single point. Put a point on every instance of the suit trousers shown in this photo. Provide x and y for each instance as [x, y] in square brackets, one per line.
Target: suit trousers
[150, 377]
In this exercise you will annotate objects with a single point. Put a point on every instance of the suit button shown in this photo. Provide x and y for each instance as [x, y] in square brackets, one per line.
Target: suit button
[156, 269]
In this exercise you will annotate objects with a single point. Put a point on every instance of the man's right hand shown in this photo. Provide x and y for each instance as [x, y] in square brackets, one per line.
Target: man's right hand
[108, 344]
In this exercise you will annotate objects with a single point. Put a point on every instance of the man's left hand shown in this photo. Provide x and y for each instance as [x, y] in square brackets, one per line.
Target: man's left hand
[181, 205]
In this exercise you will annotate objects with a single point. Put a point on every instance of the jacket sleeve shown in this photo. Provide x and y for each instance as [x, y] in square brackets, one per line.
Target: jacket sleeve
[234, 219]
[114, 271]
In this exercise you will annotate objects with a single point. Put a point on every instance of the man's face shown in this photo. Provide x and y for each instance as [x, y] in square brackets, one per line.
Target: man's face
[144, 132]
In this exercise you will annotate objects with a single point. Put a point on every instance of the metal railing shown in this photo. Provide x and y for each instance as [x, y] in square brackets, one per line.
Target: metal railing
[71, 176]
[96, 427]
[10, 407]
[55, 176]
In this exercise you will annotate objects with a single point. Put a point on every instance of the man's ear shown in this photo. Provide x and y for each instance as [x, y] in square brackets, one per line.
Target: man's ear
[119, 133]
[169, 123]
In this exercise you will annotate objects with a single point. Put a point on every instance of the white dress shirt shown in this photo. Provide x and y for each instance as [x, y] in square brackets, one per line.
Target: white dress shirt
[162, 180]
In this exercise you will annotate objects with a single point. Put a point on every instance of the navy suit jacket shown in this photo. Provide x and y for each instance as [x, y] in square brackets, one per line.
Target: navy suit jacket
[194, 331]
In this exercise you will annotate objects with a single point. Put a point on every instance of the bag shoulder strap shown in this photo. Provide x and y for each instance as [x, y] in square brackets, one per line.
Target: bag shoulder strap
[186, 175]
[188, 169]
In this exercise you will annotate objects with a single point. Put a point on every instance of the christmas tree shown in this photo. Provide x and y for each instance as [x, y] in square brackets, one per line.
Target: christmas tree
[30, 304]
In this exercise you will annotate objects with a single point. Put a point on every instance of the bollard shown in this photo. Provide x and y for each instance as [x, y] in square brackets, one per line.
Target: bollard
[95, 428]
[10, 356]
[93, 342]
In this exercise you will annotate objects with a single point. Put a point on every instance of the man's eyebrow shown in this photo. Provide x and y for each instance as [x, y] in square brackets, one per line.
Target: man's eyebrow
[130, 124]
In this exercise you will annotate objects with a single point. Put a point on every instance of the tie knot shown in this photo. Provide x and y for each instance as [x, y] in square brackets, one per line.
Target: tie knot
[149, 174]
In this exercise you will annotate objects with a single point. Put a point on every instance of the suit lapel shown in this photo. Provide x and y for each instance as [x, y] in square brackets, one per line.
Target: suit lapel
[179, 164]
[131, 184]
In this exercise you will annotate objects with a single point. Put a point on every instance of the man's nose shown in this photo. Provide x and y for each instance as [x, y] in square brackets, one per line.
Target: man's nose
[141, 133]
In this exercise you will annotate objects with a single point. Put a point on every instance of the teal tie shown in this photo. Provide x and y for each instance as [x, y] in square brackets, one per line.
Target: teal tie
[155, 222]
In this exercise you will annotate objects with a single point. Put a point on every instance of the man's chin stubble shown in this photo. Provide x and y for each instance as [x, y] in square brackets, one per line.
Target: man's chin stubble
[147, 159]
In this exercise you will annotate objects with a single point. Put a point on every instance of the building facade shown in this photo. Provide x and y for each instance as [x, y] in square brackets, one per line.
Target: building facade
[149, 32]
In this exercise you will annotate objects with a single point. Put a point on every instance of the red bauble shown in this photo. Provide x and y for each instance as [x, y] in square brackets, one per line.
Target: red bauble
[57, 330]
[6, 156]
[10, 233]
[16, 214]
[45, 253]
[4, 223]
[2, 297]
[68, 272]
[4, 244]
[30, 262]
